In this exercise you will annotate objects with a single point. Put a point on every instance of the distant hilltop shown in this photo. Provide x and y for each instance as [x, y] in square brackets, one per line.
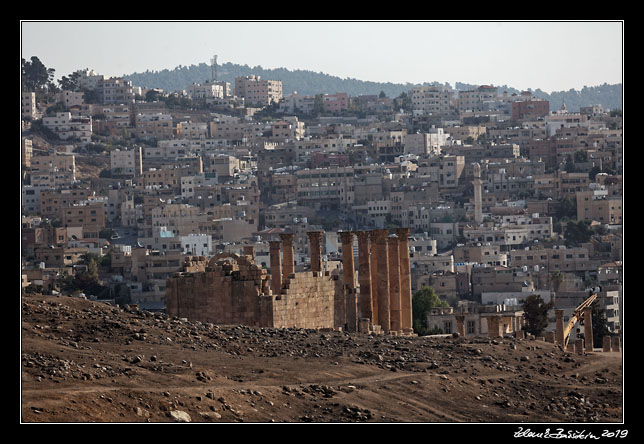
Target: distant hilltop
[311, 83]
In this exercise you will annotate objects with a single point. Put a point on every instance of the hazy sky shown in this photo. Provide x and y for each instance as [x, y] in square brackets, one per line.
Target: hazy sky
[552, 56]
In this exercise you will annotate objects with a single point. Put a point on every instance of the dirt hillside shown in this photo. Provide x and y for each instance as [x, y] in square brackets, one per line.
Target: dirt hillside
[86, 361]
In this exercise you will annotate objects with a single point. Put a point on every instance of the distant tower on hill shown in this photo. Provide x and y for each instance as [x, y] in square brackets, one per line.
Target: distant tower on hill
[213, 67]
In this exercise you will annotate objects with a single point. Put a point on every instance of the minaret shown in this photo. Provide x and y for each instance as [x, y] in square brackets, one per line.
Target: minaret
[478, 201]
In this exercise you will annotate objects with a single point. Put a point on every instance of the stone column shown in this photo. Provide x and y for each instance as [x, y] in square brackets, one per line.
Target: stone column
[493, 327]
[606, 343]
[348, 271]
[405, 280]
[559, 325]
[588, 328]
[460, 324]
[383, 280]
[374, 277]
[315, 244]
[288, 265]
[364, 276]
[579, 346]
[276, 267]
[615, 344]
[394, 284]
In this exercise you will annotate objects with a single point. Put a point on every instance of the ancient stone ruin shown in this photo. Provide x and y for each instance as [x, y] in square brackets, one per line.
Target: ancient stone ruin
[233, 289]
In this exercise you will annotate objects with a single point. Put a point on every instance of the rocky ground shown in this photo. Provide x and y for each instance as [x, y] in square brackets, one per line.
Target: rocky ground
[86, 361]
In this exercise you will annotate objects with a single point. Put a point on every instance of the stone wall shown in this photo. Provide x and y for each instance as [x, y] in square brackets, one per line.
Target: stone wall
[307, 300]
[225, 291]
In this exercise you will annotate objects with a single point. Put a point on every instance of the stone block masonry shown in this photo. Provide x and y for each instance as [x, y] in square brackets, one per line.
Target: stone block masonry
[232, 289]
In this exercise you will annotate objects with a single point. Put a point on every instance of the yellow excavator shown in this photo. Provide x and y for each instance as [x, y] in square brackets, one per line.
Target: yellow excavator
[577, 314]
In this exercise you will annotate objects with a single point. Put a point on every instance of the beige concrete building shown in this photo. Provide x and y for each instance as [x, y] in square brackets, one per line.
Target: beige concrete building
[157, 126]
[126, 163]
[600, 203]
[52, 202]
[90, 215]
[28, 107]
[427, 100]
[258, 92]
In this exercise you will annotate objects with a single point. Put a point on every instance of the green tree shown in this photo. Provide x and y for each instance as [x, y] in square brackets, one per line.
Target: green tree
[35, 75]
[536, 314]
[69, 83]
[556, 277]
[318, 104]
[577, 233]
[566, 208]
[422, 303]
[600, 324]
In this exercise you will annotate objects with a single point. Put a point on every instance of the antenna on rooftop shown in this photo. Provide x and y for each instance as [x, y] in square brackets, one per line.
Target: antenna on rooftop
[213, 64]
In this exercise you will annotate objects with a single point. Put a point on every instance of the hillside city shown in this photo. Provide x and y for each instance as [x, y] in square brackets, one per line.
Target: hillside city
[503, 198]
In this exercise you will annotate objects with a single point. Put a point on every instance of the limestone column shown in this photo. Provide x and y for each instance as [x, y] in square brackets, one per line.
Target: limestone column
[374, 277]
[493, 327]
[606, 342]
[276, 266]
[315, 243]
[394, 284]
[588, 328]
[383, 280]
[288, 265]
[405, 280]
[364, 276]
[347, 259]
[559, 325]
[460, 324]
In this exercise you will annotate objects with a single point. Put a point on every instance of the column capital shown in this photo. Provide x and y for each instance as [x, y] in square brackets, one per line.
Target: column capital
[315, 234]
[287, 237]
[380, 235]
[362, 235]
[346, 236]
[403, 233]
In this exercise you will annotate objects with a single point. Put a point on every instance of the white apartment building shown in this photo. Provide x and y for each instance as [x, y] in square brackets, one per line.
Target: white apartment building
[196, 244]
[192, 130]
[294, 103]
[70, 98]
[426, 143]
[428, 100]
[206, 91]
[67, 127]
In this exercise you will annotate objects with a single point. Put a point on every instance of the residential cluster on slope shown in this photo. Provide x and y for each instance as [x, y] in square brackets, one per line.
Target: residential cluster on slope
[495, 189]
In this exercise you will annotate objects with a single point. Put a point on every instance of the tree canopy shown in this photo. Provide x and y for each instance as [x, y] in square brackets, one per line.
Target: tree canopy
[35, 75]
[422, 302]
[536, 314]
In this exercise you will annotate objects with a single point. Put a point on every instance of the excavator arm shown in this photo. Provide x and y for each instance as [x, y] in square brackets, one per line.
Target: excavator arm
[577, 314]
